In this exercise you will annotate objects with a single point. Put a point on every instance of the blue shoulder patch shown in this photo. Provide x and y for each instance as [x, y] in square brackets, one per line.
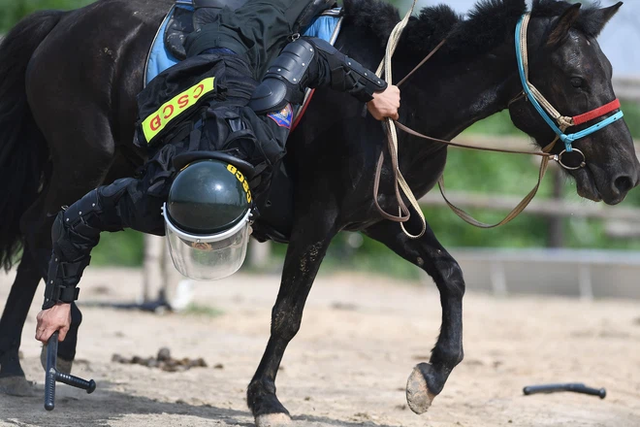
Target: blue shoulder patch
[283, 117]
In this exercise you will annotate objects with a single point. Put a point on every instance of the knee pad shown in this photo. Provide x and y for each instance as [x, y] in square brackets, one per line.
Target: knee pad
[313, 9]
[206, 11]
[218, 4]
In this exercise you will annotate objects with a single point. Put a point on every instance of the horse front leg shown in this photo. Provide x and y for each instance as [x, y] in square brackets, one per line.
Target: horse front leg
[309, 242]
[427, 379]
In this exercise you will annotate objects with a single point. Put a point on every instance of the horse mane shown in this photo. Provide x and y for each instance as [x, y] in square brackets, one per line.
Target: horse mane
[486, 26]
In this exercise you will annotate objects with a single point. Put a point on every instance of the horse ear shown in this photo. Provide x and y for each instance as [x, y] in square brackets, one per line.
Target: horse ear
[563, 24]
[596, 19]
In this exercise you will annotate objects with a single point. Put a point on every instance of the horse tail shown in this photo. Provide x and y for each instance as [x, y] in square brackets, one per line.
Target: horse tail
[23, 149]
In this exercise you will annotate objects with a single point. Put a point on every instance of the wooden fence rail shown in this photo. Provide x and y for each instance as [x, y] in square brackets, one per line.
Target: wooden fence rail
[626, 218]
[542, 207]
[507, 142]
[627, 89]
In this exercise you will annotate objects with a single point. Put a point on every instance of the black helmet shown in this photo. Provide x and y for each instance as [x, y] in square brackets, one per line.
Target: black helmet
[207, 219]
[208, 197]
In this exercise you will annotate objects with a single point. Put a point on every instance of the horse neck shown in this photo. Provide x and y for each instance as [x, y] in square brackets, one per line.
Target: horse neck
[443, 100]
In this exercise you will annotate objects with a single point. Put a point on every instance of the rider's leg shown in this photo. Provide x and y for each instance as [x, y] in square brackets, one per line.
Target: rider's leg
[257, 31]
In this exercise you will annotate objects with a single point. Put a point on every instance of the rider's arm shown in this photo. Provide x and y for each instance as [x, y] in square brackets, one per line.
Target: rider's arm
[311, 62]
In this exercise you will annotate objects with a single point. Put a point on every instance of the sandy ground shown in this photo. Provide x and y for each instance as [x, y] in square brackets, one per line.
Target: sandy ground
[360, 338]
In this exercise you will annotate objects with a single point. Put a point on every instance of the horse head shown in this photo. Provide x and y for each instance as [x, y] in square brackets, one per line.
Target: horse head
[568, 67]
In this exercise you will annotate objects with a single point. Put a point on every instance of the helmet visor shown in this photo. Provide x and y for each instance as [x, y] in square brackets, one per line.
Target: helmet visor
[209, 257]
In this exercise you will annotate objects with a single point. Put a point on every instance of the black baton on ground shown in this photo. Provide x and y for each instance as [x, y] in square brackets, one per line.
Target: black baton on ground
[574, 387]
[52, 375]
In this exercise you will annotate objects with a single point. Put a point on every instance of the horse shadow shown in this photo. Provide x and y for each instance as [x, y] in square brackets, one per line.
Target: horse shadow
[108, 406]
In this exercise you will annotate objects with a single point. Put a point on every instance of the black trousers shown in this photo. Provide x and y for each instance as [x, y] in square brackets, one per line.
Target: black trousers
[258, 31]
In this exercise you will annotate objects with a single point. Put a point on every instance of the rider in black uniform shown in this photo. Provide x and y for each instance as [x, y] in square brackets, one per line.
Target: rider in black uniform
[242, 47]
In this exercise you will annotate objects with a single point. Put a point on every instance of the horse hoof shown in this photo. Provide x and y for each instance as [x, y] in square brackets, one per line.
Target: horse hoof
[273, 420]
[17, 386]
[419, 397]
[62, 365]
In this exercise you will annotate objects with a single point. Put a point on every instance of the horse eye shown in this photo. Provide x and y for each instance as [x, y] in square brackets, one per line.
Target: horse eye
[577, 82]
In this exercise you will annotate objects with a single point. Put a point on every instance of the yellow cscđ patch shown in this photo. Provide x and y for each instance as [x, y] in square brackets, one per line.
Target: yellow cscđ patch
[156, 122]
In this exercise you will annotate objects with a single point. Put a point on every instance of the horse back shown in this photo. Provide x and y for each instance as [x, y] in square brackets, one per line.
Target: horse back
[90, 68]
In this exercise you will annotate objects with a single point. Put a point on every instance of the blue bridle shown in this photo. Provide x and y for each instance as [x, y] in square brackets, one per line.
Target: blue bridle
[568, 139]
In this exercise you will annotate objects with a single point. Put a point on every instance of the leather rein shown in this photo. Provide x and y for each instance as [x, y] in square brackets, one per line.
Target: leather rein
[544, 108]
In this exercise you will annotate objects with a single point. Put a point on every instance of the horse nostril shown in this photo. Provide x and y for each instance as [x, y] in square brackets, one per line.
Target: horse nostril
[623, 184]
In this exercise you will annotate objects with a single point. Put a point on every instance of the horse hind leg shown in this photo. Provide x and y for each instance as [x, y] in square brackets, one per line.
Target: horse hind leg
[36, 249]
[12, 378]
[63, 188]
[36, 227]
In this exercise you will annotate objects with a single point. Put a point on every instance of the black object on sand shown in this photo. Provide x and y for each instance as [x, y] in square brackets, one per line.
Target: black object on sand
[574, 387]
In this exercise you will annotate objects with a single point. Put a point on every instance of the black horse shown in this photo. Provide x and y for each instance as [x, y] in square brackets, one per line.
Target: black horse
[67, 106]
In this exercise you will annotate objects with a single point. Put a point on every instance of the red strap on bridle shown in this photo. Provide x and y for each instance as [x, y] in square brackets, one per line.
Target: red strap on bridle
[598, 112]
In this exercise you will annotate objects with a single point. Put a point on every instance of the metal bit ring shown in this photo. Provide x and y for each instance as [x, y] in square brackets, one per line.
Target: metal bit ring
[583, 163]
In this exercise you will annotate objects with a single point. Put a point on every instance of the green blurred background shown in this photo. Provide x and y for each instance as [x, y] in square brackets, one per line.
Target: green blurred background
[468, 171]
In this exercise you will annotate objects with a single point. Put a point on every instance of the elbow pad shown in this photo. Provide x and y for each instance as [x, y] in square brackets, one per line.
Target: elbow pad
[312, 62]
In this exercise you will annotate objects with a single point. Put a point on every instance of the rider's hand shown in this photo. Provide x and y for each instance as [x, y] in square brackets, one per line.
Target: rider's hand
[57, 318]
[385, 104]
